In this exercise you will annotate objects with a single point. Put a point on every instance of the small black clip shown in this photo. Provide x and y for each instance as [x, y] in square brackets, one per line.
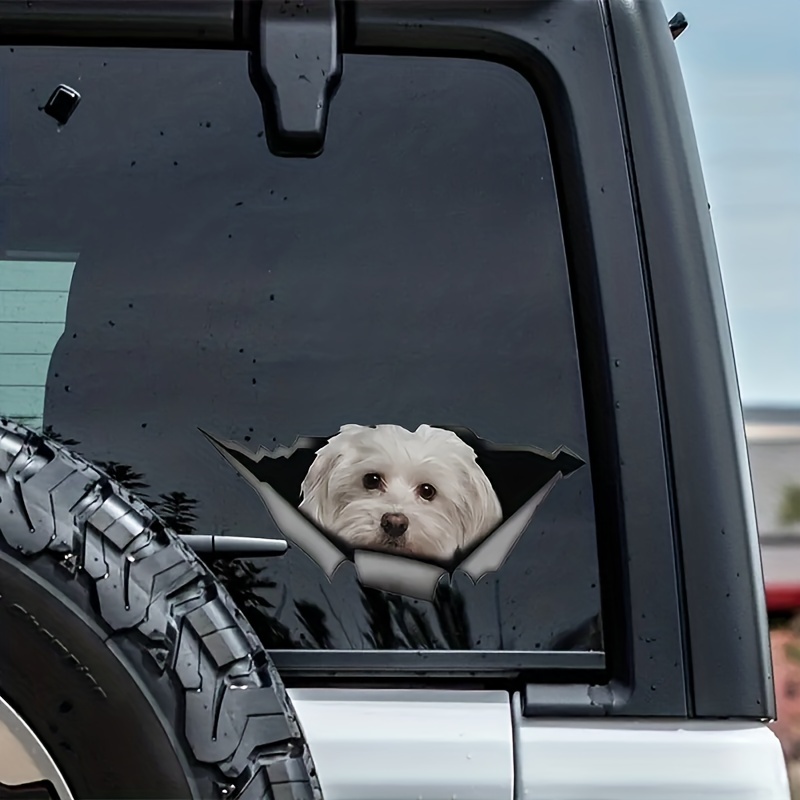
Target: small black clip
[678, 24]
[62, 104]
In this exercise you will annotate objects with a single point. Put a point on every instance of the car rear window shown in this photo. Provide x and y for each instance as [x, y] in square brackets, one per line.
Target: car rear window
[370, 354]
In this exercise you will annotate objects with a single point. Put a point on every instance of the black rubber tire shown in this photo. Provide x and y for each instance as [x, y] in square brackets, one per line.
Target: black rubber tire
[121, 650]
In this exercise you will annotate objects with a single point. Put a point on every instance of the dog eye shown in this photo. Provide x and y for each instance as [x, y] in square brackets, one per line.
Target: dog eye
[372, 480]
[426, 491]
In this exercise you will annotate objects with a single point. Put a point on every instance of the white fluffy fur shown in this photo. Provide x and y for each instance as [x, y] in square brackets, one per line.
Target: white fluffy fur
[464, 509]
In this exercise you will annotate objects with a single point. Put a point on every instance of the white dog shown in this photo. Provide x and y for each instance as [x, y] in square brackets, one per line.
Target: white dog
[386, 488]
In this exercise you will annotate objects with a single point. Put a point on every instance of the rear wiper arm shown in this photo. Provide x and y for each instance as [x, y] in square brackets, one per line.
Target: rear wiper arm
[223, 546]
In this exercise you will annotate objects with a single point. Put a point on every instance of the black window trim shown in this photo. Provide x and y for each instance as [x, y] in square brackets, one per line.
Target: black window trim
[297, 666]
[560, 48]
[717, 536]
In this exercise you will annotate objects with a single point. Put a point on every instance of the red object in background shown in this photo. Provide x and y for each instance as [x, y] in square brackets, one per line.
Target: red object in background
[786, 672]
[783, 597]
[780, 563]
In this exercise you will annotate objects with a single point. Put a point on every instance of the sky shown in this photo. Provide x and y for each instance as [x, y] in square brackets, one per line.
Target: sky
[741, 65]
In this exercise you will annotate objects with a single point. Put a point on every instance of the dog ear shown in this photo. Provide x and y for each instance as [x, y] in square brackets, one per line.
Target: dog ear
[315, 489]
[483, 511]
[350, 429]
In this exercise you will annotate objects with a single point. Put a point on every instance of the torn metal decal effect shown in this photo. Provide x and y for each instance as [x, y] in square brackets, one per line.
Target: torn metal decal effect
[407, 507]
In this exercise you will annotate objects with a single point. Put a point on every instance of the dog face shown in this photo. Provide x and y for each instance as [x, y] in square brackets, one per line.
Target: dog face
[385, 488]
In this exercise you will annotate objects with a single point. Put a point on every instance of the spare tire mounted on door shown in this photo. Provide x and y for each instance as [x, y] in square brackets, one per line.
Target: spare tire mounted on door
[122, 652]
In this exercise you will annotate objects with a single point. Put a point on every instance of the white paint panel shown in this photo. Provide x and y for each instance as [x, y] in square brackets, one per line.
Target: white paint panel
[407, 745]
[644, 760]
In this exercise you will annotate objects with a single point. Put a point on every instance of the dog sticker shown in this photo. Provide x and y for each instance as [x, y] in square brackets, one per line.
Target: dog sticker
[407, 507]
[388, 489]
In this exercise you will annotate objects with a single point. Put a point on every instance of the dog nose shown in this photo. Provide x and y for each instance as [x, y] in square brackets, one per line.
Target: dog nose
[394, 524]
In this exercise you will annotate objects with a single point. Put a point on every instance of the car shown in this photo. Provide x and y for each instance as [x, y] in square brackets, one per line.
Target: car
[371, 426]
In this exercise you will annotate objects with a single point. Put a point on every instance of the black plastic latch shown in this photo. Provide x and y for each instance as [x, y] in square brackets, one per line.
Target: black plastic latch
[573, 699]
[678, 24]
[62, 103]
[295, 67]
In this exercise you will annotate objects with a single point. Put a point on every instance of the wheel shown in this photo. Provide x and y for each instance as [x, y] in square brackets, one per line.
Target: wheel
[128, 661]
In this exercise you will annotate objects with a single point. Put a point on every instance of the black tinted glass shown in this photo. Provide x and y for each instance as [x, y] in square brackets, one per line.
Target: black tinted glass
[164, 276]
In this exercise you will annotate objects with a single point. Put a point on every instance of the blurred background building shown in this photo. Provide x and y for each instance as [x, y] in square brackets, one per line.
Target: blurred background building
[773, 437]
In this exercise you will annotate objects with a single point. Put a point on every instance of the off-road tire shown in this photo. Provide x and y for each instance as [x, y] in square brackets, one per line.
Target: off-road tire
[122, 651]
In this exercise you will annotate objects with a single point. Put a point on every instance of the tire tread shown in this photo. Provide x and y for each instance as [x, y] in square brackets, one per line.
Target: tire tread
[152, 589]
